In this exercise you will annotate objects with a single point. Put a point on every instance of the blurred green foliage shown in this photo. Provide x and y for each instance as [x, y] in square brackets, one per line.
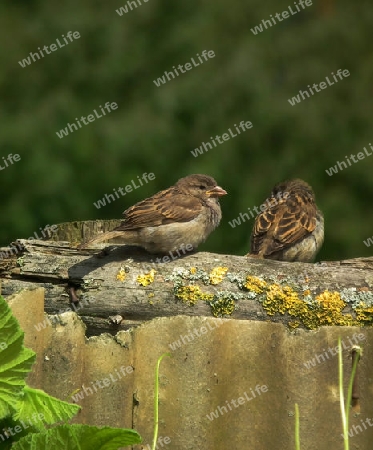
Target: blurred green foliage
[154, 128]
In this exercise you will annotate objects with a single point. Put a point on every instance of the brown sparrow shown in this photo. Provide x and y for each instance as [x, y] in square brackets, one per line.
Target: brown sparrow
[183, 214]
[291, 228]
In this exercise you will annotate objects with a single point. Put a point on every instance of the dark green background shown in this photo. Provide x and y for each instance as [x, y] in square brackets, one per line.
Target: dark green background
[154, 129]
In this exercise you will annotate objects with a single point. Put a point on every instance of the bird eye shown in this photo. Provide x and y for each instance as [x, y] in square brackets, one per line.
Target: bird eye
[202, 187]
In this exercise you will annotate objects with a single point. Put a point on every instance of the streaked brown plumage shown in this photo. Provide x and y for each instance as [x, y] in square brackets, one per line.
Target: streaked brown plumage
[183, 214]
[292, 227]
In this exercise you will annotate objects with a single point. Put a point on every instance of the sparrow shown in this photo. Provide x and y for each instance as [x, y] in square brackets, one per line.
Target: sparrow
[185, 213]
[291, 228]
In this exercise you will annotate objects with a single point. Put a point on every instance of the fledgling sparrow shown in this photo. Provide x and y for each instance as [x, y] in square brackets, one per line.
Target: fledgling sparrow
[185, 213]
[291, 228]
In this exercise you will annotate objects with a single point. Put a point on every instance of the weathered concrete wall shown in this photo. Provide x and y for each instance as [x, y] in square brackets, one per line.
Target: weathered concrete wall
[224, 363]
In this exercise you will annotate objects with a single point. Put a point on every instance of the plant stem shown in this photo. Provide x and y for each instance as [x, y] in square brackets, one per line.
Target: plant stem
[156, 395]
[346, 410]
[353, 374]
[341, 396]
[297, 441]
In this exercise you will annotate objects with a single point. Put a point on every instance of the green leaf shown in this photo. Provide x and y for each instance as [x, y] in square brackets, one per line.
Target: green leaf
[79, 437]
[12, 430]
[52, 409]
[15, 360]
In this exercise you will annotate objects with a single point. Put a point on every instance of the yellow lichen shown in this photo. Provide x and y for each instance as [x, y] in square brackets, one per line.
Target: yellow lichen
[147, 278]
[364, 314]
[121, 275]
[223, 307]
[217, 274]
[282, 299]
[329, 311]
[308, 310]
[326, 310]
[192, 294]
[293, 324]
[151, 295]
[255, 284]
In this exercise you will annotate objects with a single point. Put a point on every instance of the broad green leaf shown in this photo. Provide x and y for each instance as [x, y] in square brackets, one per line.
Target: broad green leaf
[40, 408]
[12, 430]
[79, 437]
[15, 360]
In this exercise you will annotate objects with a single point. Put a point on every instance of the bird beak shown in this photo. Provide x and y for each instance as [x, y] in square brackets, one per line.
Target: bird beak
[216, 191]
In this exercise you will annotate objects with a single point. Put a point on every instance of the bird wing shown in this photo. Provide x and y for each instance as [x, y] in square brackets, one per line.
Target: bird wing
[284, 223]
[168, 206]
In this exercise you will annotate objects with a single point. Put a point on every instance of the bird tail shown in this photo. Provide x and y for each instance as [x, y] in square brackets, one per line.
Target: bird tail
[255, 255]
[101, 237]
